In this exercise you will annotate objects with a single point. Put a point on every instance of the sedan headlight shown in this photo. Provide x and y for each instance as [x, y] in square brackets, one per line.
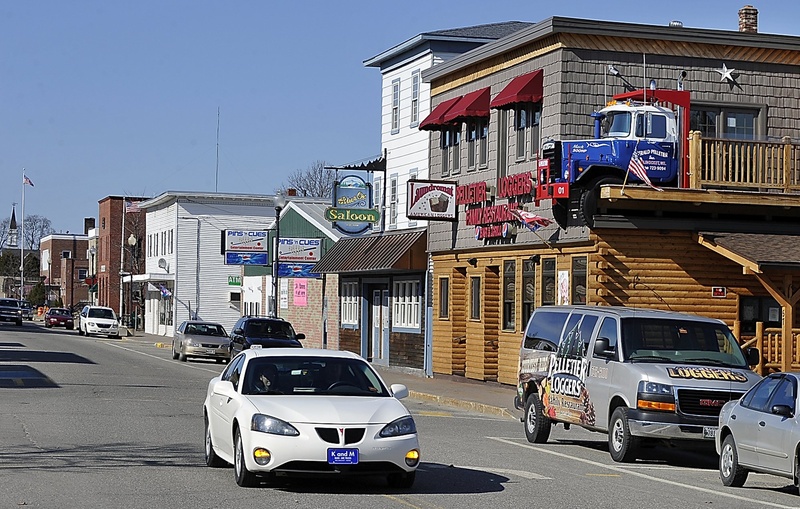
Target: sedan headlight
[398, 427]
[273, 426]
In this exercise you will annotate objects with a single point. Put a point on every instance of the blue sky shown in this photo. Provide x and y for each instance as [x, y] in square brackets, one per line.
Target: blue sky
[103, 98]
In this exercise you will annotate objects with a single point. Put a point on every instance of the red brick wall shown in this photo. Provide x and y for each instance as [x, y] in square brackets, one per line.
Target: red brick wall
[308, 319]
[110, 244]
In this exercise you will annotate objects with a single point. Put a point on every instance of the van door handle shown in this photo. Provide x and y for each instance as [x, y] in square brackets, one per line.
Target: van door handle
[762, 423]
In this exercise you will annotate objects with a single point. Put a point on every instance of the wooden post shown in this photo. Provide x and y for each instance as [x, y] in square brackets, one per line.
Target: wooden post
[787, 163]
[760, 346]
[695, 159]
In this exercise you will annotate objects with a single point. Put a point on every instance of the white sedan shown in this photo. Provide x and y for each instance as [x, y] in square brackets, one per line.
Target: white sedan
[761, 431]
[291, 411]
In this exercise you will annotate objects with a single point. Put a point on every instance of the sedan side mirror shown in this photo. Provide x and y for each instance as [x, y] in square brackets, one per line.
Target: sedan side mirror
[782, 410]
[399, 391]
[237, 332]
[753, 356]
[299, 336]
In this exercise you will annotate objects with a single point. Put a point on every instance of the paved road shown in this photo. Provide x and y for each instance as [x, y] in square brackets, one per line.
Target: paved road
[96, 423]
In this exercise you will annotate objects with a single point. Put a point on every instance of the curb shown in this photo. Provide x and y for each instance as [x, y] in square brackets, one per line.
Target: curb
[468, 405]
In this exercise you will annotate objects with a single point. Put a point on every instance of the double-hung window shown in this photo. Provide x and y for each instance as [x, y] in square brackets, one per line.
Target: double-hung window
[349, 300]
[477, 131]
[415, 99]
[393, 201]
[395, 106]
[407, 304]
[451, 156]
[526, 124]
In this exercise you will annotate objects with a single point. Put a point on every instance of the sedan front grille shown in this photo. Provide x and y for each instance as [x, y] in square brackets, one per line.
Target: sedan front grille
[331, 435]
[704, 403]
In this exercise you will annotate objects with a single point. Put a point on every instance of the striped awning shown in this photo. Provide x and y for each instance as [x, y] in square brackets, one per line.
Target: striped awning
[397, 250]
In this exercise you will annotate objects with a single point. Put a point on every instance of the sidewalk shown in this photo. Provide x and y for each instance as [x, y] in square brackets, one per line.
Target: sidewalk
[454, 391]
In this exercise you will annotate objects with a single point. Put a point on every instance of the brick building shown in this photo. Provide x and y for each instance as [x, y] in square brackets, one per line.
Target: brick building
[64, 267]
[117, 254]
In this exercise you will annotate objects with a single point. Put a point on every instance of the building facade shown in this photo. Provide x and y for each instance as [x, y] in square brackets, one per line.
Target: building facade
[65, 268]
[701, 250]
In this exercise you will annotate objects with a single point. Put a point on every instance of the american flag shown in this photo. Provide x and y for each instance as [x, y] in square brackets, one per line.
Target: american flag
[636, 166]
[26, 180]
[532, 221]
[132, 206]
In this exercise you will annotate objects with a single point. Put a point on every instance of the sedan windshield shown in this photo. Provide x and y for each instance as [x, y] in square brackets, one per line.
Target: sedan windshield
[311, 376]
[687, 341]
[205, 329]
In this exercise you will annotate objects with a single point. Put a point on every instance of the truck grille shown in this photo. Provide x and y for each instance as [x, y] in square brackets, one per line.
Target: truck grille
[552, 152]
[704, 403]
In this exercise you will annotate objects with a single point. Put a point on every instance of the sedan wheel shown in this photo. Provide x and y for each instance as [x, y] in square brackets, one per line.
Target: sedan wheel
[212, 460]
[174, 353]
[244, 477]
[729, 470]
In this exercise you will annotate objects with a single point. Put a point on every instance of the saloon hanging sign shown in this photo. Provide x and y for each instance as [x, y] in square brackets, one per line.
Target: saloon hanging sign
[352, 211]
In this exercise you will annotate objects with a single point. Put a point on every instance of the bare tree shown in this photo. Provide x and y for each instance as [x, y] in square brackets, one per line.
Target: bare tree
[316, 181]
[36, 227]
[4, 233]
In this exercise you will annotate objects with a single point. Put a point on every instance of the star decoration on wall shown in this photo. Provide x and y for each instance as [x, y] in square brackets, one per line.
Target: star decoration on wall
[729, 76]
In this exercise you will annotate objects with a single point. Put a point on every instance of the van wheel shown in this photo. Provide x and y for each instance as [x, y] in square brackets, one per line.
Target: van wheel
[537, 425]
[621, 444]
[729, 470]
[589, 197]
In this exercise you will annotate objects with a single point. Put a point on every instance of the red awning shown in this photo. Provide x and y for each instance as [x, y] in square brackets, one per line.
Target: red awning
[474, 104]
[436, 119]
[522, 89]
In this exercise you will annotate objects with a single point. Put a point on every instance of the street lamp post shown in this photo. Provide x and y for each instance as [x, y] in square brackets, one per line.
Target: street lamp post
[280, 202]
[132, 244]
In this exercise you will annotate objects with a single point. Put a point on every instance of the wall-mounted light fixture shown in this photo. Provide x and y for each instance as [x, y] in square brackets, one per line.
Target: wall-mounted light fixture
[614, 72]
[535, 259]
[473, 262]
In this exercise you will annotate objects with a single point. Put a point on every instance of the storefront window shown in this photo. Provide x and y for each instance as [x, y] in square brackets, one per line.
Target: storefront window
[548, 281]
[579, 280]
[444, 297]
[475, 301]
[509, 293]
[528, 290]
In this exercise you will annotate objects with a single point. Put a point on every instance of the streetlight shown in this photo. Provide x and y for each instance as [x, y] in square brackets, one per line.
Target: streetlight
[280, 202]
[93, 277]
[132, 244]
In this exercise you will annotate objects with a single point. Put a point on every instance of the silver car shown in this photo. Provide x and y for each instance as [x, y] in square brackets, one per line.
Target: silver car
[761, 432]
[195, 338]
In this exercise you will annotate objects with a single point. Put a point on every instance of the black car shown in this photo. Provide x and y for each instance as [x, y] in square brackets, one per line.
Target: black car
[265, 331]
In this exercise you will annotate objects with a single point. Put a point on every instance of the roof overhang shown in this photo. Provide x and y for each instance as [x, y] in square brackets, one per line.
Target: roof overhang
[403, 250]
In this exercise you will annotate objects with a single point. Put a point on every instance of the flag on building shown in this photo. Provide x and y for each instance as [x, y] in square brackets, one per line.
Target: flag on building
[26, 180]
[532, 221]
[165, 292]
[132, 206]
[636, 166]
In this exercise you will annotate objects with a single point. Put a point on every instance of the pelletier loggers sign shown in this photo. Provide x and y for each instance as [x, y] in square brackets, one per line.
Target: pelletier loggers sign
[494, 221]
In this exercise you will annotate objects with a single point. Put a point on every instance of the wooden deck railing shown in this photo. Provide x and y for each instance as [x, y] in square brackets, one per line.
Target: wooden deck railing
[768, 342]
[744, 164]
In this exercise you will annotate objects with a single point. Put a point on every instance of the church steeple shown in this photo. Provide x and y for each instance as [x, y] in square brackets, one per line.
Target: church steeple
[12, 227]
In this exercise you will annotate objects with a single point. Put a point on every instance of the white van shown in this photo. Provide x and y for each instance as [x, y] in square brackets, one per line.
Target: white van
[635, 374]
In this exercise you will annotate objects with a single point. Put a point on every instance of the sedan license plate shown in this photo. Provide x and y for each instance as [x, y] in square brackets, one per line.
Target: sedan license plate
[709, 431]
[211, 351]
[342, 456]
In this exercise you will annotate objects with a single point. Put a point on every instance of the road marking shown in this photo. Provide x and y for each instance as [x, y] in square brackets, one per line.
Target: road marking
[642, 475]
[170, 361]
[504, 471]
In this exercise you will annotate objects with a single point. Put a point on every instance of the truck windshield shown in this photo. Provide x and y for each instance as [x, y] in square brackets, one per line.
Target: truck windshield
[685, 341]
[617, 124]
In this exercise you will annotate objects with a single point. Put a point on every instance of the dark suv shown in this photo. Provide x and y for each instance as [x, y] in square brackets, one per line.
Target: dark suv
[264, 331]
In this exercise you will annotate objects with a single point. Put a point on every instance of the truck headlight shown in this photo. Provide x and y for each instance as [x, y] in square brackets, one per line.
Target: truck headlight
[655, 396]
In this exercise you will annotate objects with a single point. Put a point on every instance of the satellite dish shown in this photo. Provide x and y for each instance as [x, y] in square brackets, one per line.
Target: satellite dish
[162, 263]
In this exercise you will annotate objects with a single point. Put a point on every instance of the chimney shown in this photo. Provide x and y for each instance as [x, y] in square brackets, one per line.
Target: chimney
[88, 224]
[291, 192]
[748, 19]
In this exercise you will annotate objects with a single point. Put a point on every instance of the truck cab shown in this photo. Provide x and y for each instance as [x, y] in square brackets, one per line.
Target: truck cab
[634, 142]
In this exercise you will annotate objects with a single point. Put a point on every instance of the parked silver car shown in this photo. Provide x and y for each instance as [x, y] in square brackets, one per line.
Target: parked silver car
[761, 432]
[195, 338]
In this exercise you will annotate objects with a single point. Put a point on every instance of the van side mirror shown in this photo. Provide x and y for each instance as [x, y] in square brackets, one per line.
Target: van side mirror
[238, 331]
[753, 356]
[602, 349]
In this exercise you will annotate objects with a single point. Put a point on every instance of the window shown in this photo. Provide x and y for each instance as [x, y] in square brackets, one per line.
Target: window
[528, 290]
[350, 298]
[509, 294]
[163, 242]
[451, 156]
[83, 274]
[444, 297]
[415, 99]
[395, 106]
[412, 175]
[548, 281]
[725, 121]
[155, 244]
[477, 131]
[526, 125]
[407, 304]
[171, 240]
[378, 193]
[66, 254]
[502, 143]
[578, 280]
[475, 298]
[393, 201]
[236, 300]
[608, 330]
[758, 309]
[253, 308]
[759, 396]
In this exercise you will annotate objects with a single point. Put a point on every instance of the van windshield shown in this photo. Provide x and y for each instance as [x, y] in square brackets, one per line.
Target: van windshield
[686, 341]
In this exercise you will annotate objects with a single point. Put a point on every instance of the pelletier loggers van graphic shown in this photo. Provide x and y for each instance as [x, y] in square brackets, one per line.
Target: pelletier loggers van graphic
[636, 374]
